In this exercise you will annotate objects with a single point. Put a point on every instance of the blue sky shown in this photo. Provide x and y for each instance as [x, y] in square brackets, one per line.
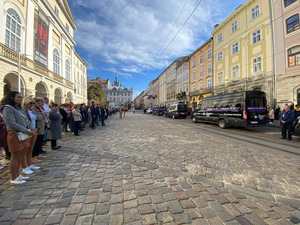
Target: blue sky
[127, 36]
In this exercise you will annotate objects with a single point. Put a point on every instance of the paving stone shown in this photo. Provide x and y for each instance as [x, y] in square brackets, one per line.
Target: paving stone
[131, 215]
[164, 217]
[144, 200]
[102, 208]
[215, 205]
[199, 222]
[225, 216]
[38, 220]
[192, 193]
[168, 196]
[242, 220]
[254, 219]
[181, 218]
[11, 215]
[104, 197]
[116, 219]
[129, 195]
[187, 204]
[87, 209]
[174, 206]
[69, 220]
[215, 221]
[116, 198]
[194, 213]
[116, 209]
[85, 220]
[130, 204]
[208, 213]
[146, 209]
[149, 219]
[232, 210]
[161, 207]
[101, 220]
[199, 202]
[181, 195]
[213, 191]
[156, 198]
[54, 219]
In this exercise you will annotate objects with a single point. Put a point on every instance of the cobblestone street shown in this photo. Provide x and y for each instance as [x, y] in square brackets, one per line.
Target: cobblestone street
[152, 170]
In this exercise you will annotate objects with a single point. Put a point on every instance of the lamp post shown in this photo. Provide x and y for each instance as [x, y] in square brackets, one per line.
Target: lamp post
[19, 70]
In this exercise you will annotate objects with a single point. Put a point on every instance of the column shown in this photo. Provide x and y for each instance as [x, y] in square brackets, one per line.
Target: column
[2, 23]
[29, 45]
[63, 55]
[72, 65]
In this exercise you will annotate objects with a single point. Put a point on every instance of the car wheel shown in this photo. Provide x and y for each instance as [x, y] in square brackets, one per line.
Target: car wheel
[194, 119]
[222, 124]
[173, 117]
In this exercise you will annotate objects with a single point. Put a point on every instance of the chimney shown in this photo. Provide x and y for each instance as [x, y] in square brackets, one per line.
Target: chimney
[216, 26]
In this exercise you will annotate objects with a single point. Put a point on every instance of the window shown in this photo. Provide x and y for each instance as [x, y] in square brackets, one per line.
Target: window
[256, 36]
[77, 76]
[56, 62]
[209, 83]
[201, 85]
[13, 30]
[56, 11]
[294, 56]
[67, 27]
[201, 59]
[255, 11]
[235, 72]
[201, 72]
[68, 70]
[194, 76]
[194, 63]
[292, 23]
[208, 53]
[220, 38]
[235, 48]
[220, 56]
[220, 78]
[194, 87]
[288, 2]
[187, 77]
[209, 69]
[257, 65]
[234, 26]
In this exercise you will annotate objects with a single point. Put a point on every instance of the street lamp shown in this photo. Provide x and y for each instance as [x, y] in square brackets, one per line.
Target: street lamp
[19, 70]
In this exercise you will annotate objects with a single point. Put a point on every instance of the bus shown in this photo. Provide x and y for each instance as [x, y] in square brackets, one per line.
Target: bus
[239, 109]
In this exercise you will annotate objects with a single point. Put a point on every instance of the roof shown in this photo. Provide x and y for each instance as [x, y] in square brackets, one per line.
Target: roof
[98, 81]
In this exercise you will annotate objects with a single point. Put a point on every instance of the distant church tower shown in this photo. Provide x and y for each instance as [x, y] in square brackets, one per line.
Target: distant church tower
[116, 83]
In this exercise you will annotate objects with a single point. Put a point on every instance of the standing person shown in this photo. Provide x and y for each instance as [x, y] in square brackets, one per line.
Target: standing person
[120, 114]
[41, 125]
[124, 110]
[26, 163]
[77, 118]
[271, 115]
[102, 115]
[286, 121]
[67, 109]
[16, 121]
[97, 114]
[93, 115]
[276, 112]
[55, 126]
[3, 135]
[292, 106]
[46, 109]
[64, 115]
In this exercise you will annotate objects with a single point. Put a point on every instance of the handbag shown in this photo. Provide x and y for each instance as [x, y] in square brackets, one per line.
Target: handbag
[23, 136]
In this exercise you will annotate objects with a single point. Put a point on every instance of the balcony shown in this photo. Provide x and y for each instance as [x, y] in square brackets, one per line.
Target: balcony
[11, 54]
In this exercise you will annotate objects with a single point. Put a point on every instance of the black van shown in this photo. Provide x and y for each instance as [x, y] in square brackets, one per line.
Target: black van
[178, 110]
[158, 111]
[247, 108]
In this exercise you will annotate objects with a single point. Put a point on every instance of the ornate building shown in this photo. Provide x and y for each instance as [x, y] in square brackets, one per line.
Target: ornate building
[118, 96]
[37, 55]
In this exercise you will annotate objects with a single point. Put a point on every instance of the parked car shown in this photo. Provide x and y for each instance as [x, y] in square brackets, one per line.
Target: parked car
[177, 111]
[149, 111]
[159, 111]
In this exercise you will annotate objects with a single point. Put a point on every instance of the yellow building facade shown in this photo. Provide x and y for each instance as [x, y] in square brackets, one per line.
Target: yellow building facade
[162, 89]
[37, 54]
[201, 65]
[243, 58]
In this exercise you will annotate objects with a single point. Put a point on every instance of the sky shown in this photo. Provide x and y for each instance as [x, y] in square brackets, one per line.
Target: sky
[138, 39]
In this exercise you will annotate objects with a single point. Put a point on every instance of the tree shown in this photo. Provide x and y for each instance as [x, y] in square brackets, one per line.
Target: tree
[97, 94]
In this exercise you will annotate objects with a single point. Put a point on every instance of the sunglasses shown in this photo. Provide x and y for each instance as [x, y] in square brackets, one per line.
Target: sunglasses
[31, 103]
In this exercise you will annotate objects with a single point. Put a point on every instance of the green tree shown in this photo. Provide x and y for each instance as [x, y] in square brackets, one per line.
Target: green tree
[96, 93]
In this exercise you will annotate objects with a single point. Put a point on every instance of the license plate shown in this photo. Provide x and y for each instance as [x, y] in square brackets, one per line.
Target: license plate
[182, 113]
[254, 122]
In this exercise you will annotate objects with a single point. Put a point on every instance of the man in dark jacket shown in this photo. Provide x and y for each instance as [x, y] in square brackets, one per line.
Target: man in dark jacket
[102, 115]
[93, 114]
[287, 120]
[97, 114]
[64, 115]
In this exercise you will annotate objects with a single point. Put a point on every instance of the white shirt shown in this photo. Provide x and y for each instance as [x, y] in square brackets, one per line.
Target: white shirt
[33, 120]
[46, 108]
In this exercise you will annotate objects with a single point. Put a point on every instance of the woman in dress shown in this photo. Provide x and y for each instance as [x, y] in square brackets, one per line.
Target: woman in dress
[16, 120]
[55, 126]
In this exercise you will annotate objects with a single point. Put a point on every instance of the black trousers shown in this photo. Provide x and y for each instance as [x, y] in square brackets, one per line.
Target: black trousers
[53, 143]
[93, 121]
[77, 127]
[286, 127]
[38, 145]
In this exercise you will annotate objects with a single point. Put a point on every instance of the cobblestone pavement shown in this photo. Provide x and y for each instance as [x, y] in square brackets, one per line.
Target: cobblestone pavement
[149, 170]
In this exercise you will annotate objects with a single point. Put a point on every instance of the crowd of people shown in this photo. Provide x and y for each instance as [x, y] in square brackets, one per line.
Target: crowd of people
[26, 124]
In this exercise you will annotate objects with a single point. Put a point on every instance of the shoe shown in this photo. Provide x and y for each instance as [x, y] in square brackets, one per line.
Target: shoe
[282, 138]
[42, 152]
[22, 177]
[27, 171]
[41, 157]
[32, 167]
[77, 134]
[17, 181]
[66, 131]
[56, 147]
[288, 139]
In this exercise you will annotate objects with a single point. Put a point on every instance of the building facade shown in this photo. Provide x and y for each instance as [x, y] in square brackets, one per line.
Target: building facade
[201, 78]
[118, 96]
[162, 89]
[37, 54]
[243, 58]
[182, 87]
[287, 50]
[155, 92]
[171, 83]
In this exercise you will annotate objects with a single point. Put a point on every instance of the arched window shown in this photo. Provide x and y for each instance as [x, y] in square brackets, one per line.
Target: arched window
[294, 56]
[56, 62]
[13, 30]
[68, 70]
